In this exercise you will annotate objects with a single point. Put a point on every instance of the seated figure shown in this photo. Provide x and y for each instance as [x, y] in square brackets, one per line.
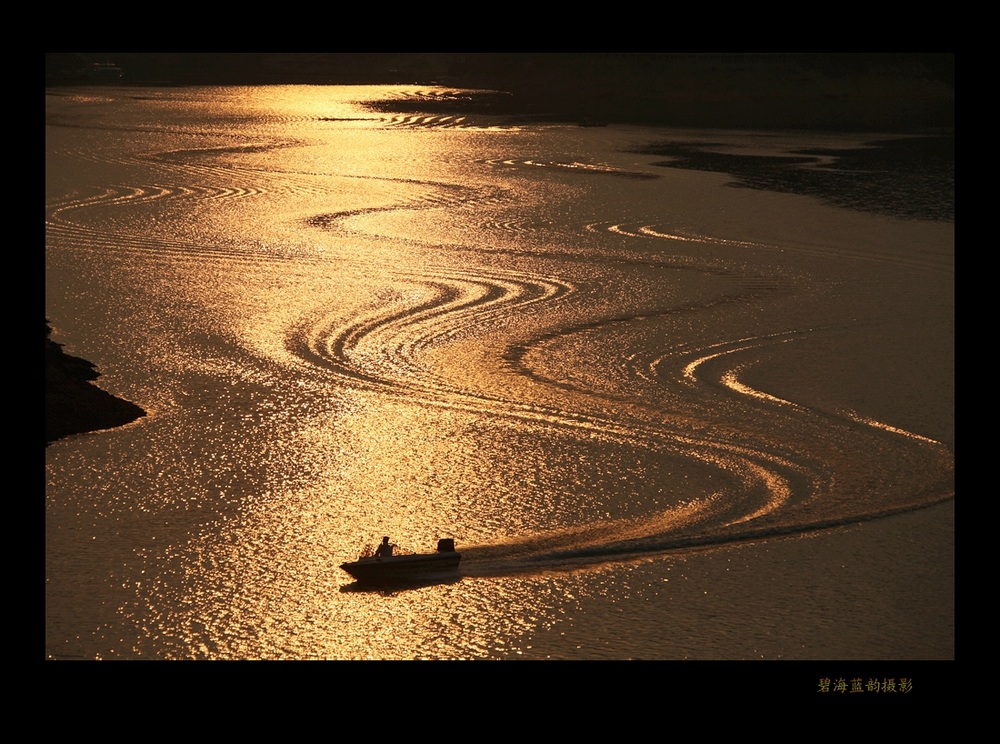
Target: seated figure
[385, 549]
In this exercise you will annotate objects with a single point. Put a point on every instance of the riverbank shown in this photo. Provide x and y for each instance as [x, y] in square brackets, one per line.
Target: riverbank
[878, 92]
[73, 404]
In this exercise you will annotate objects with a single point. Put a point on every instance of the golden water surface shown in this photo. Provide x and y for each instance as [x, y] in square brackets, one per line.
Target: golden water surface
[600, 376]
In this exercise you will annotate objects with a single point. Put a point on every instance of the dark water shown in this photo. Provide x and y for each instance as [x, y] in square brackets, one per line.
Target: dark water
[661, 417]
[910, 177]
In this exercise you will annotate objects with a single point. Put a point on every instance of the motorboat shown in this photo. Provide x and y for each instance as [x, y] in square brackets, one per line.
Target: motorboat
[404, 567]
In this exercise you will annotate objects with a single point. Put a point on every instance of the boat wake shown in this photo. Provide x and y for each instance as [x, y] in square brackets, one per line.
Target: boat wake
[557, 351]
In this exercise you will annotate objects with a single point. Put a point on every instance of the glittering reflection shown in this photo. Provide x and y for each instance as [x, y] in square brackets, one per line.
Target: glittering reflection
[345, 323]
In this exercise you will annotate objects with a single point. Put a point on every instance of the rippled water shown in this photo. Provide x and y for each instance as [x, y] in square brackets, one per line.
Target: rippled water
[616, 384]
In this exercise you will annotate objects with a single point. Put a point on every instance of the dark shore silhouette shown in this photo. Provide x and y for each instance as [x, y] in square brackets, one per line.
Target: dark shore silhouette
[73, 404]
[878, 92]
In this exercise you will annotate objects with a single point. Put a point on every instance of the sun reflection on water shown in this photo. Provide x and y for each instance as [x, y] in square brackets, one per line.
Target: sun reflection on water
[345, 323]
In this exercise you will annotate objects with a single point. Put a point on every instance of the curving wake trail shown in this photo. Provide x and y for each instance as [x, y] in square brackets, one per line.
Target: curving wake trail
[548, 357]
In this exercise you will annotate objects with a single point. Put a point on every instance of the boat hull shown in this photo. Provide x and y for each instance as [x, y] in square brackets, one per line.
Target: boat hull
[402, 568]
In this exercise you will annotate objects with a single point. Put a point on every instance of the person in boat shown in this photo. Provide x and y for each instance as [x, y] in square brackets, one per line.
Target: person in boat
[385, 549]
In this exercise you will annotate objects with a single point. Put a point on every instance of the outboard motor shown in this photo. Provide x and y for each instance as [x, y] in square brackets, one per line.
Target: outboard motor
[446, 545]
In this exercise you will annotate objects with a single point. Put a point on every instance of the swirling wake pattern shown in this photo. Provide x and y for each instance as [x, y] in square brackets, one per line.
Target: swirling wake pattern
[532, 338]
[790, 468]
[545, 324]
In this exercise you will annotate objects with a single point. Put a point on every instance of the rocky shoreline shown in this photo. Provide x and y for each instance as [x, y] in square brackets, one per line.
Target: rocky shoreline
[73, 404]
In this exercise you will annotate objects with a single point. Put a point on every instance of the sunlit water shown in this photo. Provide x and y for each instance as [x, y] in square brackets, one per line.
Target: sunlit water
[661, 417]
